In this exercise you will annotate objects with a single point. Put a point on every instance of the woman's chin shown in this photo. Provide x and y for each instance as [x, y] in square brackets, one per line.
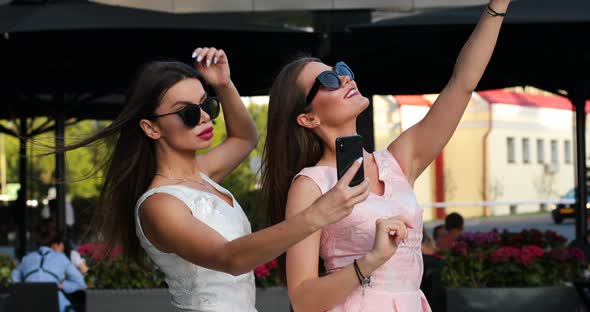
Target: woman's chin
[204, 144]
[364, 103]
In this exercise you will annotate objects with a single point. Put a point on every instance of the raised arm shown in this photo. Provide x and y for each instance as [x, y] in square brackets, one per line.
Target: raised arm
[418, 146]
[242, 135]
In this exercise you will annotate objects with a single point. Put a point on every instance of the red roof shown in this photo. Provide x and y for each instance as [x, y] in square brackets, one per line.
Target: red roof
[415, 100]
[529, 100]
[503, 97]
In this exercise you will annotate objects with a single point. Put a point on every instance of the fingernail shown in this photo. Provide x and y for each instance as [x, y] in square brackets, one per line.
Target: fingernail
[391, 233]
[200, 58]
[194, 55]
[208, 63]
[360, 160]
[215, 60]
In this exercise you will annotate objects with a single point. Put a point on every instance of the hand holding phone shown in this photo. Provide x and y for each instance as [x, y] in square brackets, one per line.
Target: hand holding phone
[349, 149]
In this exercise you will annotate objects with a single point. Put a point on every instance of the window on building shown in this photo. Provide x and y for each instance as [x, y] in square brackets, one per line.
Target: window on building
[567, 151]
[554, 152]
[526, 156]
[540, 151]
[511, 150]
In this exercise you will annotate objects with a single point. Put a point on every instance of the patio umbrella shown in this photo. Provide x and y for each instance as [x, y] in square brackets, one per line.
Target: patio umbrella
[75, 59]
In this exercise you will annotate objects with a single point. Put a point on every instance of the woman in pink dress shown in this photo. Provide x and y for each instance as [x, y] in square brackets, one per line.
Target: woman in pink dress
[373, 256]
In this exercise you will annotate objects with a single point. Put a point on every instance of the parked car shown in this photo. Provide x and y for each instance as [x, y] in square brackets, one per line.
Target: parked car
[566, 209]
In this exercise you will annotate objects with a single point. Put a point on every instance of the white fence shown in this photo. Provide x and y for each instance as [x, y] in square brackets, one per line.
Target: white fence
[496, 203]
[497, 208]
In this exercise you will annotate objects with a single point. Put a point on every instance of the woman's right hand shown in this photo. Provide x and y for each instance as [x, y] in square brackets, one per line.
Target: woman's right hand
[213, 65]
[389, 233]
[338, 203]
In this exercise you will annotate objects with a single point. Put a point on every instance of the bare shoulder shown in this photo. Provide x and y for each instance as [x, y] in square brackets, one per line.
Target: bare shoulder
[161, 215]
[302, 193]
[161, 199]
[161, 208]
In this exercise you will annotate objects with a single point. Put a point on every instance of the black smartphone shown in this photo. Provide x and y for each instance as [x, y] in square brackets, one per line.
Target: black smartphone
[348, 150]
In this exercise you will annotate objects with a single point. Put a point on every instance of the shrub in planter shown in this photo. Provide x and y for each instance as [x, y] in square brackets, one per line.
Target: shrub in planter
[6, 267]
[527, 259]
[270, 295]
[267, 275]
[115, 272]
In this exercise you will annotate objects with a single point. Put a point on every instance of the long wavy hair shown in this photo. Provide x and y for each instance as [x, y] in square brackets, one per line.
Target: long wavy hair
[289, 147]
[131, 166]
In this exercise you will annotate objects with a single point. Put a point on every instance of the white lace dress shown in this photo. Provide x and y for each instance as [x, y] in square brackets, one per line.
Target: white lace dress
[195, 288]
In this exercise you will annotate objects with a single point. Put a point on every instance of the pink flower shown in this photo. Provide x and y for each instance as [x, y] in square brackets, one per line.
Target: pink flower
[272, 265]
[98, 251]
[85, 249]
[527, 258]
[577, 253]
[529, 253]
[534, 250]
[504, 254]
[460, 247]
[261, 271]
[560, 254]
[499, 256]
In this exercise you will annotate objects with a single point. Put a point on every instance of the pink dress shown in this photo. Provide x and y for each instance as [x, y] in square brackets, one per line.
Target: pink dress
[396, 284]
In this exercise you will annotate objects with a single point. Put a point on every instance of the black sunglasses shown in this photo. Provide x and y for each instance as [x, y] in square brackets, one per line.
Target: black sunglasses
[329, 79]
[191, 113]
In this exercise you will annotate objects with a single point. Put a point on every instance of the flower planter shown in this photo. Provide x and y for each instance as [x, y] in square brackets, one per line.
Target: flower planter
[4, 299]
[125, 300]
[273, 299]
[538, 299]
[505, 271]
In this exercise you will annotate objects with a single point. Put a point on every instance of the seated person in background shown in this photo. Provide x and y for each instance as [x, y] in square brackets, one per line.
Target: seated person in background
[438, 232]
[50, 264]
[77, 260]
[454, 226]
[428, 248]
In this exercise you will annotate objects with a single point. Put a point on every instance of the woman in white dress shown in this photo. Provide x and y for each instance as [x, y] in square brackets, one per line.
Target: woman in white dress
[160, 197]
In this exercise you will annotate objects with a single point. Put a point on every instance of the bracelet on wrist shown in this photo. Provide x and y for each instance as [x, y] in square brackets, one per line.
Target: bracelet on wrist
[364, 281]
[493, 13]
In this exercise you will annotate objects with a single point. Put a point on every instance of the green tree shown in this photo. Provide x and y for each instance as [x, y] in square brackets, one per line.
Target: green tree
[79, 163]
[85, 188]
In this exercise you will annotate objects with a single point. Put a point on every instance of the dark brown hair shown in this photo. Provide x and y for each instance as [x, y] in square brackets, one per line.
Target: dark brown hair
[131, 166]
[289, 147]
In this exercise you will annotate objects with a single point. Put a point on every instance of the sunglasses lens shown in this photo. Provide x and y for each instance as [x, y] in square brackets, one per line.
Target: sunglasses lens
[345, 70]
[191, 115]
[330, 80]
[211, 107]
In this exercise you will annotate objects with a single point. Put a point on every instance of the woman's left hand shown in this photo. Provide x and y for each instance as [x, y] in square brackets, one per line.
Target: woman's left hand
[213, 65]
